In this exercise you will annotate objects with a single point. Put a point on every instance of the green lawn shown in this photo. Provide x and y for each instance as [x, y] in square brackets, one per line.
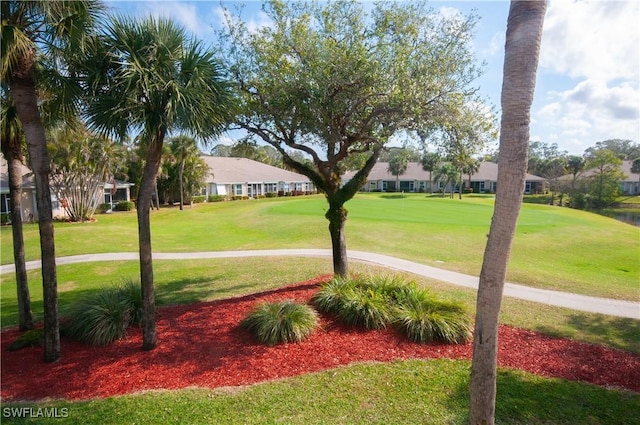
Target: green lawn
[555, 248]
[399, 392]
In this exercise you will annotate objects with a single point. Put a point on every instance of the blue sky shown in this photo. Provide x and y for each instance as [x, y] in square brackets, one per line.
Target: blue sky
[588, 76]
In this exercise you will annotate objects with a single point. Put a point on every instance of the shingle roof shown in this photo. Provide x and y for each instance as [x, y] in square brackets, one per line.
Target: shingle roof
[488, 171]
[225, 170]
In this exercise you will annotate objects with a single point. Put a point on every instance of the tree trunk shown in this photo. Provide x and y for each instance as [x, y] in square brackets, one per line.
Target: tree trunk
[154, 154]
[337, 215]
[14, 163]
[524, 33]
[180, 173]
[26, 102]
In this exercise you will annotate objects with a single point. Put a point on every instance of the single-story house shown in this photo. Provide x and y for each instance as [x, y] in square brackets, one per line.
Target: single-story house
[629, 185]
[114, 192]
[248, 178]
[415, 179]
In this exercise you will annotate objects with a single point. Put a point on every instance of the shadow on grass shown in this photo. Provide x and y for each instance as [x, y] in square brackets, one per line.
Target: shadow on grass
[605, 330]
[523, 398]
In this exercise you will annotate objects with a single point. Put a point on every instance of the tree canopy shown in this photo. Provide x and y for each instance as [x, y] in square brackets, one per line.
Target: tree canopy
[336, 79]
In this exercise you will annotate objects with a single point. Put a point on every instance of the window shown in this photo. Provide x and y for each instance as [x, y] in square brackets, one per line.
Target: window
[5, 207]
[271, 187]
[237, 189]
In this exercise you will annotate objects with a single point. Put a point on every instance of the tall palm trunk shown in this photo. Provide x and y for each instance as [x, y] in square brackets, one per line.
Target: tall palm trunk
[154, 155]
[14, 163]
[524, 34]
[180, 174]
[26, 102]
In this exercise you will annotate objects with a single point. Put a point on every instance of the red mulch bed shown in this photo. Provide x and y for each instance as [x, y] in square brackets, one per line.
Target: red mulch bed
[202, 345]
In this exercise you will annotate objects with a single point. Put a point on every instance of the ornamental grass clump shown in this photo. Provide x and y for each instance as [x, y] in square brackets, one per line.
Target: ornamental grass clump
[424, 318]
[103, 317]
[285, 321]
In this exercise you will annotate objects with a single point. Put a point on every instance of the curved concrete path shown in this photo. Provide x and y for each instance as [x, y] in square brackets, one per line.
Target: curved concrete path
[610, 307]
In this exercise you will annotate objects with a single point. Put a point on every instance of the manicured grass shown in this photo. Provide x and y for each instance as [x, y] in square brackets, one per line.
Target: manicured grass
[555, 248]
[400, 392]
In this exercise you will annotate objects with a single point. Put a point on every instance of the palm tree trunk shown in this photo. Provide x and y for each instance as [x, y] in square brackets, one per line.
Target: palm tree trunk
[25, 317]
[26, 101]
[524, 33]
[154, 154]
[181, 172]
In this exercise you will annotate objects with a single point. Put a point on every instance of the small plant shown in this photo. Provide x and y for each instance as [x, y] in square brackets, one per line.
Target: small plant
[216, 198]
[103, 208]
[198, 199]
[423, 318]
[285, 321]
[125, 206]
[104, 316]
[365, 307]
[31, 338]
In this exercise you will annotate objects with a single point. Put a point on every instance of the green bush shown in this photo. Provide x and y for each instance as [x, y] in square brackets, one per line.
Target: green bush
[271, 194]
[198, 199]
[376, 301]
[103, 208]
[215, 198]
[31, 338]
[125, 206]
[423, 318]
[102, 317]
[5, 218]
[286, 321]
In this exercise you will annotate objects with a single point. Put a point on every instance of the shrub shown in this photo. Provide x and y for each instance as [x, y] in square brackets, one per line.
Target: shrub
[125, 206]
[31, 338]
[103, 208]
[198, 199]
[271, 194]
[423, 318]
[365, 307]
[103, 316]
[5, 218]
[286, 321]
[215, 198]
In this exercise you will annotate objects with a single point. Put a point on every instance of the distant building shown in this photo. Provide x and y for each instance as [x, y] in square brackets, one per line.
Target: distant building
[415, 179]
[242, 177]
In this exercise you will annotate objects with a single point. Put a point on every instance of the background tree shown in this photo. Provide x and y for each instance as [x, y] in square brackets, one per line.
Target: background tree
[36, 37]
[623, 149]
[332, 81]
[522, 49]
[398, 164]
[182, 148]
[575, 165]
[605, 179]
[447, 175]
[180, 165]
[12, 145]
[635, 168]
[82, 164]
[470, 167]
[429, 163]
[149, 76]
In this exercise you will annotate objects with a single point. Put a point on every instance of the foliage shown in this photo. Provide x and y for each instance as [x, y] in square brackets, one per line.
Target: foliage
[103, 316]
[604, 178]
[216, 198]
[398, 163]
[447, 174]
[198, 199]
[125, 206]
[333, 80]
[281, 322]
[423, 318]
[374, 302]
[31, 338]
[623, 149]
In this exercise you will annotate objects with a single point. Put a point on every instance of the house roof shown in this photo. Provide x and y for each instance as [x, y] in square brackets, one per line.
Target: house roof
[488, 171]
[226, 170]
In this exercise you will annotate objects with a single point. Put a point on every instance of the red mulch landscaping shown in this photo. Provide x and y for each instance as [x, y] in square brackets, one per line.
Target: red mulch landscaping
[202, 345]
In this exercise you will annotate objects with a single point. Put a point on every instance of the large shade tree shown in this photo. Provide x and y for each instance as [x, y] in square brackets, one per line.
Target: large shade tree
[148, 77]
[38, 36]
[522, 49]
[336, 80]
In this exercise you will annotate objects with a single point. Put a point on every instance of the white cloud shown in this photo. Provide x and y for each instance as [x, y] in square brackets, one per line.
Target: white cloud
[185, 13]
[592, 39]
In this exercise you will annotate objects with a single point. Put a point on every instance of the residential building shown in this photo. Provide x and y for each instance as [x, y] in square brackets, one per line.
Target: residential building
[415, 179]
[629, 185]
[242, 177]
[114, 192]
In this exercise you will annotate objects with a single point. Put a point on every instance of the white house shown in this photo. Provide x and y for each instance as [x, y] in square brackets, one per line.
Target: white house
[415, 179]
[244, 177]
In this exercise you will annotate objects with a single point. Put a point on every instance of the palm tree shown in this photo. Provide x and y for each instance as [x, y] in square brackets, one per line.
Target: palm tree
[429, 163]
[398, 165]
[524, 34]
[148, 76]
[183, 147]
[35, 35]
[575, 164]
[447, 174]
[470, 167]
[12, 142]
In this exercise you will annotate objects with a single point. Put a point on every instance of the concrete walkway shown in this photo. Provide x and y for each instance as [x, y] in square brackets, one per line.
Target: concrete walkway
[606, 306]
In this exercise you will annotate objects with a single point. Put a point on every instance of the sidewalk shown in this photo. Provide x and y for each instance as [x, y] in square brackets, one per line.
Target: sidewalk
[606, 306]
